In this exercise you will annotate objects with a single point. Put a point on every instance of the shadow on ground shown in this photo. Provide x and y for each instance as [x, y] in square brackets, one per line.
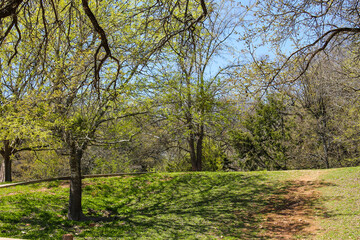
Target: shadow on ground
[179, 206]
[292, 214]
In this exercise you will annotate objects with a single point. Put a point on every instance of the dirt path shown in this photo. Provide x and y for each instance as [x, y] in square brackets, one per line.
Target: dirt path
[292, 214]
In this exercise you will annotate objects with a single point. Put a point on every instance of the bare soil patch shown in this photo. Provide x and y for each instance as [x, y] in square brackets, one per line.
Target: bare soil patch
[292, 214]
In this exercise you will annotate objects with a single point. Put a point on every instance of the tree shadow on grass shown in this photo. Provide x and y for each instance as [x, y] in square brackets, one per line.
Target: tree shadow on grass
[292, 214]
[179, 206]
[32, 216]
[198, 206]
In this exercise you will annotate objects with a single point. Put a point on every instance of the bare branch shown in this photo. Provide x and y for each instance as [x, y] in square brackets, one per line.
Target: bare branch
[18, 40]
[326, 37]
[8, 30]
[35, 149]
[10, 8]
[120, 117]
[97, 142]
[104, 43]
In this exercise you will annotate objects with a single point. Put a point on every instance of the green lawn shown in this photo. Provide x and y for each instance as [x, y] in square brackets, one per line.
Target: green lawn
[175, 206]
[339, 208]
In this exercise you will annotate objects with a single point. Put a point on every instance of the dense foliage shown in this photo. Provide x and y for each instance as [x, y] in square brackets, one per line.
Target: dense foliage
[263, 142]
[108, 86]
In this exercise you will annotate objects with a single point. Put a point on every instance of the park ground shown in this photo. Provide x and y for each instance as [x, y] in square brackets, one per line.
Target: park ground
[304, 204]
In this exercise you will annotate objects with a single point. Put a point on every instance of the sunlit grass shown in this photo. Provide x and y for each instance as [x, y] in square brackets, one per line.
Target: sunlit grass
[175, 206]
[154, 206]
[340, 205]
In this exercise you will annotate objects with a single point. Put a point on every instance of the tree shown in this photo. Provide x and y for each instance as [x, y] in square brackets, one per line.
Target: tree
[84, 70]
[22, 122]
[316, 100]
[311, 26]
[324, 93]
[299, 32]
[262, 141]
[49, 11]
[192, 100]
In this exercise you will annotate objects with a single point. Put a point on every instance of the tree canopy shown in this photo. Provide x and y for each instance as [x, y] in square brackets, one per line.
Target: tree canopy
[176, 85]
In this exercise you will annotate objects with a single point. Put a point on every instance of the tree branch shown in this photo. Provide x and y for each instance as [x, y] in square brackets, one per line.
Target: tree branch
[17, 41]
[120, 117]
[104, 43]
[328, 36]
[10, 8]
[8, 30]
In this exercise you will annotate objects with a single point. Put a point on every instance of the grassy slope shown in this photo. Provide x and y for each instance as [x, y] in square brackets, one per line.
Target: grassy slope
[339, 213]
[171, 206]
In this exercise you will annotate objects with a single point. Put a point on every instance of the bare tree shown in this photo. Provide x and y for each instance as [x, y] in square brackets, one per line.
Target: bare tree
[311, 26]
[325, 93]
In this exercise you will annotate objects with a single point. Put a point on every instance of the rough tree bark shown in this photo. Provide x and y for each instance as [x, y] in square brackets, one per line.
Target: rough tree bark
[6, 153]
[191, 142]
[196, 147]
[75, 209]
[2, 171]
[199, 149]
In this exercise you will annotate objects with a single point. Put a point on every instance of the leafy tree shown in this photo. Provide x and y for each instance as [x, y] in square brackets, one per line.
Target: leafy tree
[262, 140]
[192, 101]
[87, 52]
[23, 125]
[214, 155]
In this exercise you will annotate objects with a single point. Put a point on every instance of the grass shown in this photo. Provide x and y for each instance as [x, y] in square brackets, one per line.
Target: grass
[339, 213]
[173, 206]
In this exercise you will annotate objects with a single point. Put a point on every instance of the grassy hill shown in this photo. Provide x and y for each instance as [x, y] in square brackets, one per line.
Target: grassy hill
[313, 204]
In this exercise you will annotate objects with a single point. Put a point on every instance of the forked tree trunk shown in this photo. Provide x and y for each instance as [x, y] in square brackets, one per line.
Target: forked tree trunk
[75, 209]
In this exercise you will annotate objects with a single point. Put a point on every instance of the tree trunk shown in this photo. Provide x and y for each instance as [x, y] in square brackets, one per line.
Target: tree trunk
[326, 152]
[196, 148]
[191, 142]
[7, 166]
[5, 169]
[324, 138]
[75, 210]
[2, 171]
[199, 149]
